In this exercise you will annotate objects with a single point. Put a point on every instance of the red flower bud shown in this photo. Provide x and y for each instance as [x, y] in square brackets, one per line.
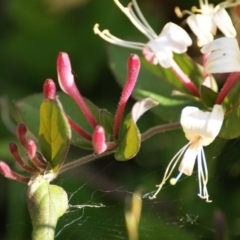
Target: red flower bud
[49, 89]
[98, 140]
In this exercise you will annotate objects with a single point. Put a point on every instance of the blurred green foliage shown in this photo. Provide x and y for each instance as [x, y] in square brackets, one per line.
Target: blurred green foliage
[31, 35]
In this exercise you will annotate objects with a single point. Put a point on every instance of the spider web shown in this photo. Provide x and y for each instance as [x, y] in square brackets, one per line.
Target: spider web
[97, 202]
[101, 215]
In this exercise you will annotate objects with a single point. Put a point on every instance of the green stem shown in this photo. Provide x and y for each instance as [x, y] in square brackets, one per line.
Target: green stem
[149, 133]
[159, 129]
[84, 160]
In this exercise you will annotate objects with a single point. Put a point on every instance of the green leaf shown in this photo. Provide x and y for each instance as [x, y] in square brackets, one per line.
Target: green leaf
[231, 104]
[54, 133]
[158, 83]
[46, 203]
[208, 96]
[130, 137]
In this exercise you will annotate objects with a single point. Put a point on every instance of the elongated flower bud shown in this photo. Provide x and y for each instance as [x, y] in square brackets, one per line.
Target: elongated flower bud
[133, 70]
[67, 84]
[8, 173]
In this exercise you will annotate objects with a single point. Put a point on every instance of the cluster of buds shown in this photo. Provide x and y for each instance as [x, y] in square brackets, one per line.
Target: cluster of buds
[36, 166]
[98, 137]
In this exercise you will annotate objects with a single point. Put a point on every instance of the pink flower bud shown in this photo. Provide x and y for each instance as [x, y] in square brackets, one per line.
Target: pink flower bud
[49, 89]
[67, 84]
[31, 149]
[14, 151]
[98, 140]
[21, 132]
[133, 70]
[8, 173]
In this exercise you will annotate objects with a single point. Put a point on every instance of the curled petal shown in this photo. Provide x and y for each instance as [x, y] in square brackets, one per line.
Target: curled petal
[203, 27]
[202, 125]
[224, 55]
[177, 38]
[162, 51]
[187, 164]
[172, 39]
[224, 23]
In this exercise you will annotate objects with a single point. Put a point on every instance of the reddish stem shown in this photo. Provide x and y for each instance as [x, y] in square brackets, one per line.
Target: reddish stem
[204, 58]
[184, 79]
[78, 129]
[133, 70]
[14, 151]
[8, 173]
[231, 80]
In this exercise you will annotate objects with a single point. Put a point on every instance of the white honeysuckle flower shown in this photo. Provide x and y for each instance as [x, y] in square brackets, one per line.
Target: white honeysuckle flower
[224, 55]
[200, 128]
[159, 48]
[205, 21]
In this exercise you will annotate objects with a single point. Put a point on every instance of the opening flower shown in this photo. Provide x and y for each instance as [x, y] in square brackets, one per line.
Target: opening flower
[205, 21]
[200, 128]
[224, 55]
[159, 48]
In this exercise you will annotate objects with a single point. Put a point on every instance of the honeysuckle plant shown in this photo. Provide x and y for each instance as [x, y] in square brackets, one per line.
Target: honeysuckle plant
[164, 80]
[205, 21]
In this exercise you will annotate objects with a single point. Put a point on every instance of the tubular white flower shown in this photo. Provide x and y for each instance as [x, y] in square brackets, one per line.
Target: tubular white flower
[224, 55]
[159, 48]
[205, 21]
[200, 128]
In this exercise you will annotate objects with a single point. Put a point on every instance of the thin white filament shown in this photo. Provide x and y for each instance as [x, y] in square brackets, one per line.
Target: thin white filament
[133, 19]
[107, 36]
[170, 166]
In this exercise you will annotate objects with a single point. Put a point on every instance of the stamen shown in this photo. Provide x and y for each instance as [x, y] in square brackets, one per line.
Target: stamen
[227, 4]
[140, 15]
[170, 166]
[107, 36]
[180, 13]
[202, 176]
[137, 23]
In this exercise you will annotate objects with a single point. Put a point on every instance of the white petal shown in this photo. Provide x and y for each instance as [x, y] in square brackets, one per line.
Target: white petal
[224, 56]
[161, 50]
[202, 126]
[203, 27]
[178, 39]
[224, 23]
[214, 124]
[187, 164]
[171, 39]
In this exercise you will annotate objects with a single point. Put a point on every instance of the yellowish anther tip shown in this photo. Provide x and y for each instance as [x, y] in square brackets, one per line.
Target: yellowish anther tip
[178, 12]
[96, 28]
[194, 9]
[152, 197]
[173, 181]
[129, 5]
